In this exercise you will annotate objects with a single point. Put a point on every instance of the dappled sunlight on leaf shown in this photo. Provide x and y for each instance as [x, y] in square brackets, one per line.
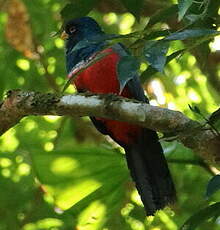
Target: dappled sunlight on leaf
[74, 175]
[48, 146]
[6, 173]
[30, 125]
[64, 165]
[8, 141]
[52, 119]
[48, 223]
[5, 162]
[23, 64]
[110, 18]
[69, 195]
[59, 43]
[92, 217]
[126, 23]
[168, 222]
[136, 198]
[24, 169]
[193, 96]
[21, 81]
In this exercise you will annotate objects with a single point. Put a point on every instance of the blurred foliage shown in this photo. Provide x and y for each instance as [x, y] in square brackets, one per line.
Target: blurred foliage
[61, 174]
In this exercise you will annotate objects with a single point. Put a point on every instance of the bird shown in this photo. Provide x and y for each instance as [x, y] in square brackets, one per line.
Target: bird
[143, 151]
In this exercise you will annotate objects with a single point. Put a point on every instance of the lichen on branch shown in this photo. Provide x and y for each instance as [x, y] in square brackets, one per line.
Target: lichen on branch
[192, 134]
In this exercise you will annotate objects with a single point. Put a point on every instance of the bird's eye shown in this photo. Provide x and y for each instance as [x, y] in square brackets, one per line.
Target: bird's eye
[72, 29]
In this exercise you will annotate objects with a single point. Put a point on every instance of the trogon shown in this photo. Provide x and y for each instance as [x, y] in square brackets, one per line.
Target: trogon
[144, 154]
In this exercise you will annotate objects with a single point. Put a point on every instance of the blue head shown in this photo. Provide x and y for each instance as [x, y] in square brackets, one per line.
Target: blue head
[77, 30]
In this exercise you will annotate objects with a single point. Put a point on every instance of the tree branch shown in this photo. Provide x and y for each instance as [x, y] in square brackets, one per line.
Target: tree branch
[19, 104]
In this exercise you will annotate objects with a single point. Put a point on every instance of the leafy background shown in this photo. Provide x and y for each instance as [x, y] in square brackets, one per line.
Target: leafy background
[60, 173]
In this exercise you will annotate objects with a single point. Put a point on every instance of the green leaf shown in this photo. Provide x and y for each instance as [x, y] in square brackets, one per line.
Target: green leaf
[94, 40]
[101, 38]
[215, 116]
[162, 15]
[155, 54]
[190, 107]
[183, 6]
[82, 177]
[174, 55]
[192, 33]
[74, 174]
[134, 7]
[213, 186]
[194, 221]
[193, 18]
[156, 34]
[195, 109]
[214, 119]
[127, 67]
[151, 71]
[76, 9]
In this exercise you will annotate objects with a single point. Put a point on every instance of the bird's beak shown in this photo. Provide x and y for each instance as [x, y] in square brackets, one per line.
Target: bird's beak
[64, 35]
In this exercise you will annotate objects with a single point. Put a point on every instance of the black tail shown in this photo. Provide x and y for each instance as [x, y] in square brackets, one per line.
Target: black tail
[150, 172]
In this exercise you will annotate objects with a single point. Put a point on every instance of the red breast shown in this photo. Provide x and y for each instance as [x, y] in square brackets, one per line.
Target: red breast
[101, 78]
